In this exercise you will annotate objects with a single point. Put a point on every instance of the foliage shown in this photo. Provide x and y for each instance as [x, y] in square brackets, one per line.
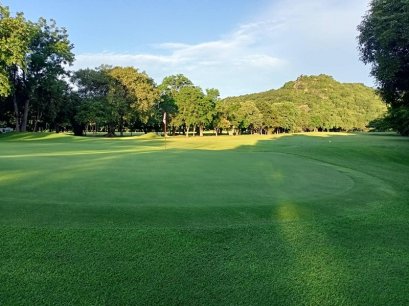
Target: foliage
[15, 37]
[112, 96]
[310, 103]
[169, 89]
[384, 43]
[33, 59]
[189, 101]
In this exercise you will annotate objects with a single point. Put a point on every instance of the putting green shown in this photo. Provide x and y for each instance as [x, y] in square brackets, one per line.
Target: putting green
[252, 220]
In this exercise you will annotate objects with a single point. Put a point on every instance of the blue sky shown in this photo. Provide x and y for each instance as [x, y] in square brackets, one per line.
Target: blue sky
[237, 46]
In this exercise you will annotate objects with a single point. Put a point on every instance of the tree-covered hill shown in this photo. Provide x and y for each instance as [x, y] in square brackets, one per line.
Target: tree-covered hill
[311, 103]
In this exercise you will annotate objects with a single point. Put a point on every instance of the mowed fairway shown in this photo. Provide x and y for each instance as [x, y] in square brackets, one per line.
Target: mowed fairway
[319, 219]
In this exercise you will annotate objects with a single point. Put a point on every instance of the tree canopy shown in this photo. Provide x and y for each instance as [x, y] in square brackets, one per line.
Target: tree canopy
[33, 60]
[384, 43]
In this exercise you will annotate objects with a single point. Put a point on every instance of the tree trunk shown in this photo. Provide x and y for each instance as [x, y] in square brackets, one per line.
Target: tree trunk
[111, 131]
[187, 131]
[37, 118]
[121, 126]
[201, 130]
[16, 113]
[25, 116]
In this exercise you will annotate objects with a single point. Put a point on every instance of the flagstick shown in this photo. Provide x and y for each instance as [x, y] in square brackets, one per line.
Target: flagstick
[165, 135]
[164, 126]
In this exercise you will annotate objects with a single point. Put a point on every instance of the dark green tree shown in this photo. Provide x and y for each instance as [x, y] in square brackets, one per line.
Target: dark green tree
[89, 104]
[15, 37]
[384, 43]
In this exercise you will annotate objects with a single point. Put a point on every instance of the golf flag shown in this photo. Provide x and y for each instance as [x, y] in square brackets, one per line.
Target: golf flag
[164, 118]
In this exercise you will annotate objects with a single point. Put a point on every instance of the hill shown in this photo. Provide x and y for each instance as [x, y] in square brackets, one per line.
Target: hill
[314, 103]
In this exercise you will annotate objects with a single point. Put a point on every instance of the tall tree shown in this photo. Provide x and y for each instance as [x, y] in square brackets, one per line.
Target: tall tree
[133, 91]
[89, 104]
[15, 37]
[384, 43]
[33, 57]
[189, 101]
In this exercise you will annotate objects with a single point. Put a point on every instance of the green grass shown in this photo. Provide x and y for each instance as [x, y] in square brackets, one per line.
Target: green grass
[318, 219]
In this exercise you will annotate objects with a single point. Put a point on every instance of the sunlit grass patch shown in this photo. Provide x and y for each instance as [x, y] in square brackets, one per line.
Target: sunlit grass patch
[288, 220]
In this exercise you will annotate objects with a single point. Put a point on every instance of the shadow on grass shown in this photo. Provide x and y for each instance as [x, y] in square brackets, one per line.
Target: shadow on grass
[330, 176]
[291, 220]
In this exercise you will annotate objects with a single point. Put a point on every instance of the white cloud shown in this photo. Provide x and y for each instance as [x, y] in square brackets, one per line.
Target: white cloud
[290, 38]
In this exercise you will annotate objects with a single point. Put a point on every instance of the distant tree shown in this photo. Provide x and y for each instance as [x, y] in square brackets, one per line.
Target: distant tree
[117, 96]
[90, 103]
[227, 115]
[189, 101]
[169, 88]
[384, 43]
[135, 91]
[205, 109]
[249, 116]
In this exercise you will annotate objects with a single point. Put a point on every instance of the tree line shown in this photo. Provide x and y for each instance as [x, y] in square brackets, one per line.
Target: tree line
[38, 92]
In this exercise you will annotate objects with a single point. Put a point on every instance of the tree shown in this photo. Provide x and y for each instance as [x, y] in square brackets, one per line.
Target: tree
[227, 115]
[15, 36]
[89, 103]
[189, 101]
[249, 116]
[169, 88]
[205, 109]
[33, 58]
[119, 96]
[133, 91]
[47, 105]
[384, 43]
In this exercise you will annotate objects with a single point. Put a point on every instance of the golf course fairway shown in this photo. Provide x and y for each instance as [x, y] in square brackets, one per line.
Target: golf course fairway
[301, 219]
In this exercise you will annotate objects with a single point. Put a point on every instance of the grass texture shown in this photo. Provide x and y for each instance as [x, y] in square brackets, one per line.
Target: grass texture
[309, 219]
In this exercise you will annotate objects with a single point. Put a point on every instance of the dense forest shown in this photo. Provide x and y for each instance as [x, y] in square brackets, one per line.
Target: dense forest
[38, 92]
